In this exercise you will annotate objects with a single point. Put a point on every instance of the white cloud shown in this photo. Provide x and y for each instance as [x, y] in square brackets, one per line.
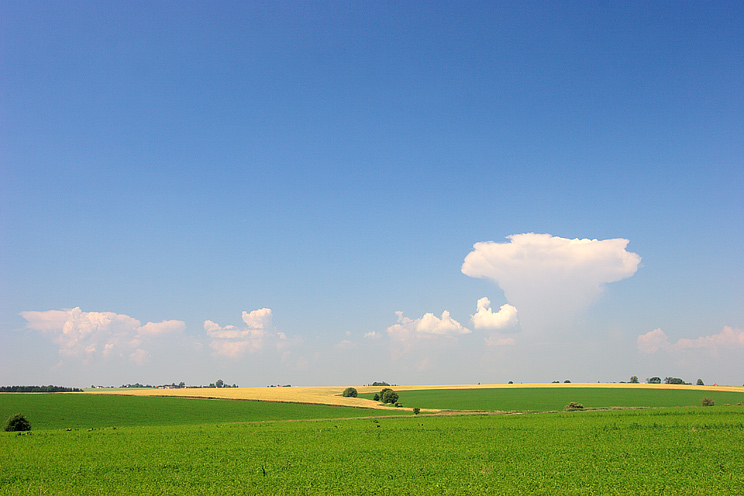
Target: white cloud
[485, 318]
[549, 278]
[652, 341]
[656, 340]
[86, 334]
[428, 325]
[234, 342]
[258, 319]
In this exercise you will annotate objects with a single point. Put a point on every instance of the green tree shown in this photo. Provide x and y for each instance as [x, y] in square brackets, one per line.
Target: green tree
[708, 402]
[634, 379]
[17, 422]
[387, 395]
[654, 380]
[349, 392]
[700, 382]
[219, 383]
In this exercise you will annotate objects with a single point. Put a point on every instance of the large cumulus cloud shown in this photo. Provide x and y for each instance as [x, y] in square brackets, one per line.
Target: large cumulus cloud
[549, 278]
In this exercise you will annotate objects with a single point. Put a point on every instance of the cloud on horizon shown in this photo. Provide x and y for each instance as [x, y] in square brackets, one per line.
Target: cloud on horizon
[94, 334]
[548, 278]
[234, 342]
[426, 326]
[657, 340]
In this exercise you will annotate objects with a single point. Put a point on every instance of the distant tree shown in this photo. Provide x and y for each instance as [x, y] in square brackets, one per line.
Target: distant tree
[181, 384]
[219, 383]
[555, 382]
[673, 380]
[567, 381]
[700, 382]
[380, 384]
[349, 392]
[387, 395]
[654, 380]
[574, 406]
[376, 397]
[17, 422]
[634, 379]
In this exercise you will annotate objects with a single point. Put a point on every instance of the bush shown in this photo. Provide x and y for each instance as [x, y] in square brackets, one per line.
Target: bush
[349, 392]
[376, 397]
[17, 422]
[387, 395]
[574, 406]
[708, 402]
[416, 410]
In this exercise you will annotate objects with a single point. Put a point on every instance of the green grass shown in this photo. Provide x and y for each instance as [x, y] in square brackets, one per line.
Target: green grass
[79, 410]
[685, 451]
[551, 399]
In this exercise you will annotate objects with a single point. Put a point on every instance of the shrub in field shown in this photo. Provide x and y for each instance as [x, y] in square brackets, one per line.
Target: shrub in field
[708, 402]
[376, 397]
[574, 406]
[387, 395]
[17, 422]
[416, 410]
[349, 392]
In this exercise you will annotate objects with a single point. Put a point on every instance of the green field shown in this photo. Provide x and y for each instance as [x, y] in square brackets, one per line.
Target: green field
[551, 399]
[78, 410]
[670, 451]
[196, 446]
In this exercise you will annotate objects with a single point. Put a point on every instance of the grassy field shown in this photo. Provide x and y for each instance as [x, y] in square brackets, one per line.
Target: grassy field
[76, 410]
[115, 444]
[555, 398]
[686, 451]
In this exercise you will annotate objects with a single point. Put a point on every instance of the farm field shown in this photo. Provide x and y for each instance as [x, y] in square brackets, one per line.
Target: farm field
[555, 398]
[692, 450]
[78, 410]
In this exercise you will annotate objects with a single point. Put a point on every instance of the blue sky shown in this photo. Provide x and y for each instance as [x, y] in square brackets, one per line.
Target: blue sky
[251, 191]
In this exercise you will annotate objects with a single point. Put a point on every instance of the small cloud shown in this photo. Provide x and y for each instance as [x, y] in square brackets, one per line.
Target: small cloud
[656, 340]
[372, 335]
[428, 325]
[162, 328]
[485, 318]
[234, 342]
[652, 341]
[258, 319]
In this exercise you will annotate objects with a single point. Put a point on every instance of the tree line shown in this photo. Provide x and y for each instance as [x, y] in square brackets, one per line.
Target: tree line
[38, 389]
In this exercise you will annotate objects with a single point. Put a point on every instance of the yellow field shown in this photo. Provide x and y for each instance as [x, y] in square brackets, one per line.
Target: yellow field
[331, 395]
